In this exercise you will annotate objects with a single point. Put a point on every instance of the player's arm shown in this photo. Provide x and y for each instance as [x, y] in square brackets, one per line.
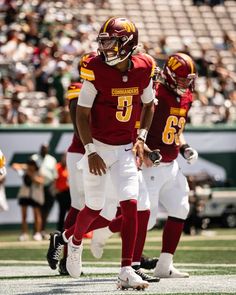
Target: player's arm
[145, 120]
[72, 108]
[83, 112]
[189, 153]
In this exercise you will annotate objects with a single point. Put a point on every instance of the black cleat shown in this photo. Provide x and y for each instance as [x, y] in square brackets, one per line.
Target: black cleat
[146, 277]
[55, 248]
[62, 267]
[148, 263]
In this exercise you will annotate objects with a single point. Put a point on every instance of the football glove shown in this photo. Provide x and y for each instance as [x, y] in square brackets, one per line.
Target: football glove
[190, 154]
[155, 157]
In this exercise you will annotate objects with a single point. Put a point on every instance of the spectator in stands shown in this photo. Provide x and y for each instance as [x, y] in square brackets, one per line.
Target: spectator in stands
[7, 87]
[202, 64]
[61, 82]
[30, 51]
[23, 78]
[30, 195]
[15, 114]
[47, 168]
[62, 192]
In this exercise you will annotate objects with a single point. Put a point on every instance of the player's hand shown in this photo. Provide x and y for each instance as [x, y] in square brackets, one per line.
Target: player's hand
[96, 164]
[189, 153]
[138, 150]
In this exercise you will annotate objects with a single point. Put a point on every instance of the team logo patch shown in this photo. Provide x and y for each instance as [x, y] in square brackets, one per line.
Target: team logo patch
[125, 91]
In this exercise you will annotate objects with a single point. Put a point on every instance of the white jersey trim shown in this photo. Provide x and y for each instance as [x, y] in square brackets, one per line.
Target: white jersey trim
[148, 93]
[87, 95]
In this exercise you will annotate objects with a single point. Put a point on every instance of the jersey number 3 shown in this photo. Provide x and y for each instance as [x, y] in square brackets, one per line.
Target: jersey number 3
[170, 134]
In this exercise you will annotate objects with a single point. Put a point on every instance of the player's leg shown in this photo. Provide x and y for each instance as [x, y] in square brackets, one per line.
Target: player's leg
[77, 202]
[103, 233]
[154, 178]
[174, 197]
[94, 187]
[75, 179]
[37, 223]
[143, 215]
[101, 236]
[124, 175]
[24, 236]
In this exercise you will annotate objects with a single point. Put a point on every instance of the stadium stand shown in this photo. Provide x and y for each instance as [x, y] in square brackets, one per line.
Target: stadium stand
[41, 42]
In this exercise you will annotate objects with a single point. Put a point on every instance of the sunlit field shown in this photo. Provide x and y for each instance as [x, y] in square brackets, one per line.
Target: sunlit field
[210, 255]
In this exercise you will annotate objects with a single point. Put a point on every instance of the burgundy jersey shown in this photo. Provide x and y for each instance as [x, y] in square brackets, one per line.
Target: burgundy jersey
[115, 108]
[76, 145]
[168, 122]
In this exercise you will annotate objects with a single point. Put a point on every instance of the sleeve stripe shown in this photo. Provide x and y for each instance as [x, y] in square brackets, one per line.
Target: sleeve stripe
[87, 74]
[72, 93]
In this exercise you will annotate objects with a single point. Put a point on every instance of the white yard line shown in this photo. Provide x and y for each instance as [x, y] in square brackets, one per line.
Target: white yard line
[22, 280]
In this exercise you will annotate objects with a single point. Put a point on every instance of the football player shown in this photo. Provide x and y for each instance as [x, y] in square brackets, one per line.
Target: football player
[112, 106]
[74, 154]
[115, 81]
[166, 183]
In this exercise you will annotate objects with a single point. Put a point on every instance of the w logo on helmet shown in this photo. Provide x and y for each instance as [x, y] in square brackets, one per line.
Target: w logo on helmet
[173, 63]
[128, 26]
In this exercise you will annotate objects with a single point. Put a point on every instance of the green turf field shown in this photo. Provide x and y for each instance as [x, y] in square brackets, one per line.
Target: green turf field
[215, 246]
[210, 256]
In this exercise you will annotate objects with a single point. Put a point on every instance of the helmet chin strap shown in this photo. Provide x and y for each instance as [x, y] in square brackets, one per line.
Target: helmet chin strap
[116, 60]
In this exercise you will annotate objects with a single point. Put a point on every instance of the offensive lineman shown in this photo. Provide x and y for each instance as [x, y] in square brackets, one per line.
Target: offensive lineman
[166, 183]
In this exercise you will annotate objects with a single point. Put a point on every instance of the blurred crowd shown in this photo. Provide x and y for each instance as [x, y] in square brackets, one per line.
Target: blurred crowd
[41, 43]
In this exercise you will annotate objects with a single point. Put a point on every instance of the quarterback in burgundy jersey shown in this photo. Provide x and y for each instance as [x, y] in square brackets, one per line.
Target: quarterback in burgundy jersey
[74, 154]
[115, 83]
[166, 183]
[115, 110]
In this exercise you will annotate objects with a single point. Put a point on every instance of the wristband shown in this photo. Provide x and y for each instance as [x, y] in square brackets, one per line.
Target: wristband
[90, 148]
[142, 135]
[183, 148]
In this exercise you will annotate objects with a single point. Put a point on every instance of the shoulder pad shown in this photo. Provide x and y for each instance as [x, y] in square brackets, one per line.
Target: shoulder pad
[152, 61]
[87, 69]
[149, 61]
